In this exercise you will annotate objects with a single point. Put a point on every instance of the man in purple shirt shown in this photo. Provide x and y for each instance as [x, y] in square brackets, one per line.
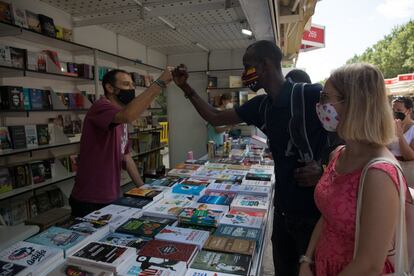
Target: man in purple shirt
[104, 147]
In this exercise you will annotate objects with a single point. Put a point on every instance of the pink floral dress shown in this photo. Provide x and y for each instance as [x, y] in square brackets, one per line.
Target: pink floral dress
[336, 197]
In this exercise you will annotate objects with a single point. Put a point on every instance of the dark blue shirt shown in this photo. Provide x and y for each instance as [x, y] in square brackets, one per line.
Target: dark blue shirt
[289, 197]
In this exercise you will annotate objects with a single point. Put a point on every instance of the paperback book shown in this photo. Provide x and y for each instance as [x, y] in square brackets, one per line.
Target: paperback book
[147, 193]
[257, 183]
[251, 203]
[11, 269]
[168, 207]
[140, 203]
[169, 250]
[188, 189]
[114, 215]
[87, 226]
[234, 264]
[180, 172]
[218, 198]
[259, 176]
[18, 137]
[146, 266]
[141, 228]
[230, 245]
[31, 136]
[241, 219]
[183, 235]
[204, 217]
[238, 232]
[120, 239]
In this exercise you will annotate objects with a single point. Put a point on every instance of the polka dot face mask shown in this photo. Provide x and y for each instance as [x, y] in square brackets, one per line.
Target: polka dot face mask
[328, 116]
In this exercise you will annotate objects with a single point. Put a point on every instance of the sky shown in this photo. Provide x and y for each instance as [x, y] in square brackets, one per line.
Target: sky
[351, 26]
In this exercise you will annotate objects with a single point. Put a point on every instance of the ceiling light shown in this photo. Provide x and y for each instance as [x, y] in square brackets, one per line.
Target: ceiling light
[202, 47]
[247, 32]
[168, 23]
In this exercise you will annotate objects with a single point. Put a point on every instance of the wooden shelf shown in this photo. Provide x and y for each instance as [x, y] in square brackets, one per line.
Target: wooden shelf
[9, 152]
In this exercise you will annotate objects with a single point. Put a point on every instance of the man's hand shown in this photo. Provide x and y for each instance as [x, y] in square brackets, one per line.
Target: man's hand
[180, 75]
[166, 76]
[309, 175]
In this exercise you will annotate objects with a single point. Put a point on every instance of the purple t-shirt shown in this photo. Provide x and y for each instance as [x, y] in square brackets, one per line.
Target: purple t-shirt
[102, 149]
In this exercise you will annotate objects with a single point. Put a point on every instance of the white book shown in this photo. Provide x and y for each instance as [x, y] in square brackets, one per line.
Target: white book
[257, 183]
[102, 256]
[183, 235]
[37, 258]
[254, 190]
[5, 55]
[19, 16]
[61, 270]
[222, 187]
[180, 172]
[206, 206]
[198, 272]
[168, 207]
[31, 136]
[114, 215]
[143, 265]
[250, 203]
[241, 219]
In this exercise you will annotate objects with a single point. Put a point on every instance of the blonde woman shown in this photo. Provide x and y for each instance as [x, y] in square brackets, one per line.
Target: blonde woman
[354, 103]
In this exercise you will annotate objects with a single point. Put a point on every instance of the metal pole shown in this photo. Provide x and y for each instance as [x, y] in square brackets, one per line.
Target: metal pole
[96, 69]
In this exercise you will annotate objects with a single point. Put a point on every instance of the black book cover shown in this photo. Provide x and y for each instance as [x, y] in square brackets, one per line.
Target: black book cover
[11, 98]
[43, 202]
[5, 12]
[259, 176]
[18, 57]
[132, 202]
[9, 269]
[48, 168]
[47, 25]
[21, 177]
[42, 134]
[101, 252]
[46, 100]
[141, 228]
[38, 172]
[56, 198]
[18, 136]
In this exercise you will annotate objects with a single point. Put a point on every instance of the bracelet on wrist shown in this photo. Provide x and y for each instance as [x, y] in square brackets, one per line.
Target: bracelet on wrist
[305, 259]
[160, 83]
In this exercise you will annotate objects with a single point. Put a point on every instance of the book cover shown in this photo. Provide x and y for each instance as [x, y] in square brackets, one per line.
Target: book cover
[212, 82]
[144, 193]
[36, 98]
[31, 136]
[43, 202]
[33, 21]
[145, 266]
[33, 256]
[141, 228]
[67, 34]
[11, 98]
[114, 215]
[21, 176]
[183, 235]
[120, 239]
[10, 269]
[247, 213]
[19, 16]
[222, 262]
[187, 189]
[18, 137]
[47, 25]
[241, 219]
[238, 232]
[5, 142]
[5, 12]
[26, 99]
[42, 134]
[169, 250]
[200, 216]
[5, 57]
[180, 172]
[205, 206]
[78, 270]
[59, 31]
[58, 238]
[251, 203]
[165, 221]
[102, 255]
[86, 226]
[199, 272]
[18, 57]
[6, 184]
[211, 197]
[183, 166]
[255, 190]
[46, 100]
[140, 203]
[38, 172]
[168, 207]
[259, 176]
[210, 229]
[230, 245]
[257, 183]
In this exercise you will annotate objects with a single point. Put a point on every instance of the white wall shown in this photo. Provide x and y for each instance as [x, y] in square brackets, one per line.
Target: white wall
[187, 129]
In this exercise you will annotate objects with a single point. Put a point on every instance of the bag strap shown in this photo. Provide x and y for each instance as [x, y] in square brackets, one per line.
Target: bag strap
[401, 256]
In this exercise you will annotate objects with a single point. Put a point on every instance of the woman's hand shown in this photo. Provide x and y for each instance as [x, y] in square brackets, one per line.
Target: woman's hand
[399, 130]
[305, 270]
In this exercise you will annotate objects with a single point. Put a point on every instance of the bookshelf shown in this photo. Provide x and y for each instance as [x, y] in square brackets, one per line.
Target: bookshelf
[9, 152]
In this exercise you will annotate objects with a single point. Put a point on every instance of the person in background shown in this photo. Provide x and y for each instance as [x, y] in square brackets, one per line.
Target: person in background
[295, 210]
[104, 147]
[297, 75]
[216, 133]
[403, 148]
[354, 103]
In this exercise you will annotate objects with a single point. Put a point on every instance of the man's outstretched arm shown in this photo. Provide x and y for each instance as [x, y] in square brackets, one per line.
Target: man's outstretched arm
[207, 112]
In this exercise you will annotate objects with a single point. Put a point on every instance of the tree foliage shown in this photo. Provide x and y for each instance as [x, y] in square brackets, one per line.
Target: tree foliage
[394, 54]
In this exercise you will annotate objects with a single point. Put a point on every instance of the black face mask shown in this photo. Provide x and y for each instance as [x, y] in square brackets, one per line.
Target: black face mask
[125, 96]
[399, 116]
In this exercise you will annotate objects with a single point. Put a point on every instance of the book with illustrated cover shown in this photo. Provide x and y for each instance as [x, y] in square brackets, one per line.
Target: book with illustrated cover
[187, 189]
[211, 197]
[251, 203]
[78, 270]
[5, 13]
[199, 272]
[31, 136]
[238, 167]
[200, 216]
[234, 264]
[168, 207]
[38, 172]
[36, 99]
[21, 176]
[255, 190]
[141, 228]
[210, 229]
[183, 166]
[223, 187]
[90, 227]
[259, 176]
[257, 183]
[212, 82]
[6, 184]
[42, 134]
[5, 142]
[166, 181]
[11, 98]
[102, 255]
[241, 219]
[18, 137]
[196, 182]
[146, 266]
[35, 257]
[205, 206]
[19, 16]
[230, 245]
[114, 215]
[180, 172]
[47, 25]
[18, 57]
[147, 193]
[247, 213]
[165, 221]
[215, 166]
[11, 269]
[33, 21]
[61, 238]
[139, 203]
[183, 235]
[169, 250]
[238, 232]
[125, 240]
[5, 57]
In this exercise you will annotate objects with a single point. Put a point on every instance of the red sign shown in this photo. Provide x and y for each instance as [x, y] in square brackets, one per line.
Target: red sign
[406, 77]
[391, 81]
[314, 38]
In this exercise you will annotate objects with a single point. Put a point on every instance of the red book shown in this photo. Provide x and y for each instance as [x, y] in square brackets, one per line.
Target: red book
[169, 250]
